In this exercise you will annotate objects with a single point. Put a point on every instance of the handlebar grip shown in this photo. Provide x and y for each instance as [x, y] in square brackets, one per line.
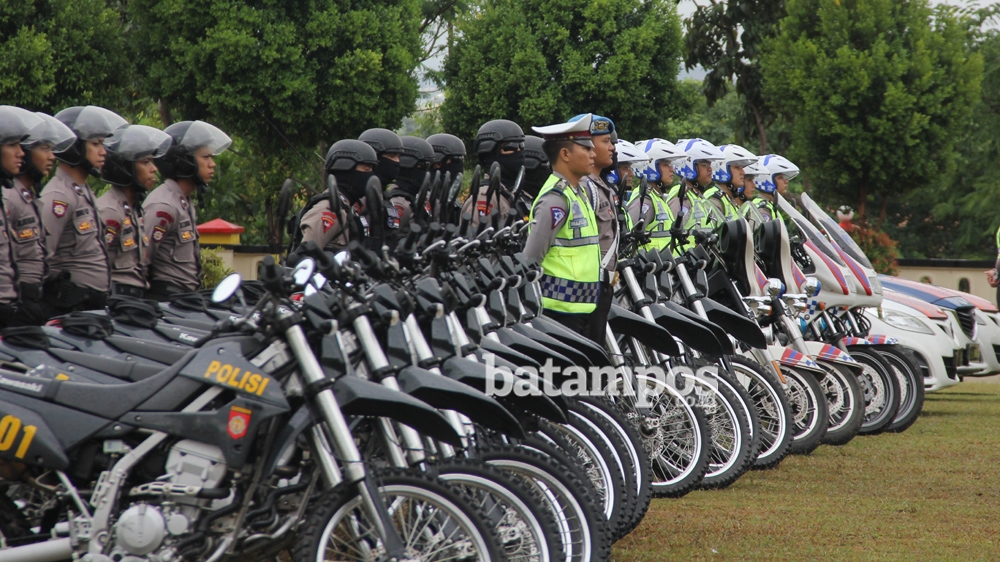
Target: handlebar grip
[411, 239]
[270, 275]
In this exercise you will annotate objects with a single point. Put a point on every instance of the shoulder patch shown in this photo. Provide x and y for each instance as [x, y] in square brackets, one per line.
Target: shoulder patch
[165, 216]
[113, 225]
[329, 219]
[59, 208]
[158, 232]
[558, 214]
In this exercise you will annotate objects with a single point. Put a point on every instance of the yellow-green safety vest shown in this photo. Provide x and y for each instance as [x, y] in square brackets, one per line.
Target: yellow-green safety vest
[698, 215]
[659, 229]
[571, 269]
[729, 210]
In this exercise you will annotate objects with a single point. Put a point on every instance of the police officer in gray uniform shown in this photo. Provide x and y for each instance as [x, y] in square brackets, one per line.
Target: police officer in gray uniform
[414, 165]
[500, 141]
[169, 217]
[78, 275]
[23, 213]
[352, 164]
[130, 170]
[15, 126]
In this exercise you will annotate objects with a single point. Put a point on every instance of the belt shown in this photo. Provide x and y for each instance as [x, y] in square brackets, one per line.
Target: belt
[30, 291]
[164, 288]
[128, 290]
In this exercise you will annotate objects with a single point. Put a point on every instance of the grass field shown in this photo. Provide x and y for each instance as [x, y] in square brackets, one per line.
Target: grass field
[930, 493]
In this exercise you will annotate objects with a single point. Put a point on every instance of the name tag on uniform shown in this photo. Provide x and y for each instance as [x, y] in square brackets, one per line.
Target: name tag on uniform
[578, 223]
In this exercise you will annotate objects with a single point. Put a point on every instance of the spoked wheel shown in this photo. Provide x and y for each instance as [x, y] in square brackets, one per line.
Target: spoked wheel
[881, 390]
[809, 413]
[911, 385]
[772, 408]
[434, 521]
[844, 401]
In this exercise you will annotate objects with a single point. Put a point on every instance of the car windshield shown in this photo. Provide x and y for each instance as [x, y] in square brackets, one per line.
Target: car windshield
[810, 231]
[839, 236]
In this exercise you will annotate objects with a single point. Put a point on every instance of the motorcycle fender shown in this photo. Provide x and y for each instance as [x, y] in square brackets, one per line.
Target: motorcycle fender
[442, 392]
[623, 321]
[721, 336]
[741, 327]
[360, 397]
[826, 352]
[791, 358]
[878, 339]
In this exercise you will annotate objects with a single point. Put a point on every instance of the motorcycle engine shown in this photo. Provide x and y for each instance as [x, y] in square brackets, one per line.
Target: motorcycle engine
[145, 532]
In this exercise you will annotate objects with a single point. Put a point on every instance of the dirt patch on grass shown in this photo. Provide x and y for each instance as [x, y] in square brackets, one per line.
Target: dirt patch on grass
[930, 493]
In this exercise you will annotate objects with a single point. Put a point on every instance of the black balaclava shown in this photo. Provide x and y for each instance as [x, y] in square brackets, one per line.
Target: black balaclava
[534, 179]
[411, 179]
[352, 183]
[452, 166]
[510, 166]
[386, 170]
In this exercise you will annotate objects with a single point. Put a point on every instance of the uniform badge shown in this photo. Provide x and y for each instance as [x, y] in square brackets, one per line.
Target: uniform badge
[557, 215]
[483, 208]
[59, 209]
[78, 189]
[399, 210]
[167, 217]
[186, 235]
[645, 207]
[184, 204]
[239, 421]
[427, 207]
[128, 221]
[329, 219]
[112, 225]
[109, 236]
[26, 194]
[85, 226]
[26, 233]
[145, 239]
[158, 232]
[128, 242]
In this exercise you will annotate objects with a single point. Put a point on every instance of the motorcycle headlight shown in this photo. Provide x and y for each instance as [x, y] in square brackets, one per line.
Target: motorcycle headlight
[906, 322]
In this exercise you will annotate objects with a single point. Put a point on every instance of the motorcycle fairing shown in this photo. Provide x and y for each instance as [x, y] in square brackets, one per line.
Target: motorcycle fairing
[622, 321]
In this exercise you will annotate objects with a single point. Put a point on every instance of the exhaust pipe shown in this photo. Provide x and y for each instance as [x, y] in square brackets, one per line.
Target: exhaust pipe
[48, 551]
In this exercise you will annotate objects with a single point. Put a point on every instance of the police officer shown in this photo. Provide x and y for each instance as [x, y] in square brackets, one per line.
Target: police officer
[604, 201]
[627, 157]
[564, 235]
[728, 174]
[352, 164]
[21, 203]
[536, 171]
[388, 146]
[130, 170]
[170, 219]
[748, 193]
[15, 125]
[449, 154]
[779, 172]
[652, 207]
[78, 275]
[695, 172]
[500, 141]
[414, 166]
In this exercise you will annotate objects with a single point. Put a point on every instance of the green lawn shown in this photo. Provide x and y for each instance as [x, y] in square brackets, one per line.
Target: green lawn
[931, 493]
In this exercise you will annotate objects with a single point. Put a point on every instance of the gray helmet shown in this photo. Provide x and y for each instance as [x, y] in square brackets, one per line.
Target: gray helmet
[416, 151]
[87, 123]
[126, 147]
[497, 132]
[348, 153]
[446, 146]
[383, 141]
[534, 156]
[16, 124]
[187, 137]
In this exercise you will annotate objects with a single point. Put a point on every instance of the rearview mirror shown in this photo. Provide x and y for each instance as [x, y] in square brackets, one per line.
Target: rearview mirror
[227, 288]
[303, 272]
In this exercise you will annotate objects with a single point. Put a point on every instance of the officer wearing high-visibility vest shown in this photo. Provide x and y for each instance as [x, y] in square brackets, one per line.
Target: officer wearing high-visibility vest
[727, 175]
[653, 209]
[695, 172]
[564, 235]
[780, 171]
[748, 192]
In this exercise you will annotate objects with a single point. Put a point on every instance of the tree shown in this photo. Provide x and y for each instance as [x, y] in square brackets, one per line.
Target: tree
[726, 39]
[287, 77]
[877, 91]
[538, 62]
[60, 53]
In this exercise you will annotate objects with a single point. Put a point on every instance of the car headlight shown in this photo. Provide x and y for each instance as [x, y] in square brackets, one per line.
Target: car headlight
[906, 322]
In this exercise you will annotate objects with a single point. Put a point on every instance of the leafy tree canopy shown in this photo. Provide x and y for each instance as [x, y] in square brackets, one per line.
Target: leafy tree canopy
[538, 62]
[60, 53]
[878, 92]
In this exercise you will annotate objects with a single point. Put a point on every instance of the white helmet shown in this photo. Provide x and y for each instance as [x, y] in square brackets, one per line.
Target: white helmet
[656, 150]
[775, 164]
[695, 150]
[732, 155]
[629, 155]
[749, 171]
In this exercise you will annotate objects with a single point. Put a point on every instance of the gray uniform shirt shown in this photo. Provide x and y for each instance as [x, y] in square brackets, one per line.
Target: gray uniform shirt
[8, 287]
[73, 238]
[543, 232]
[170, 223]
[602, 199]
[28, 248]
[124, 237]
[480, 210]
[322, 226]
